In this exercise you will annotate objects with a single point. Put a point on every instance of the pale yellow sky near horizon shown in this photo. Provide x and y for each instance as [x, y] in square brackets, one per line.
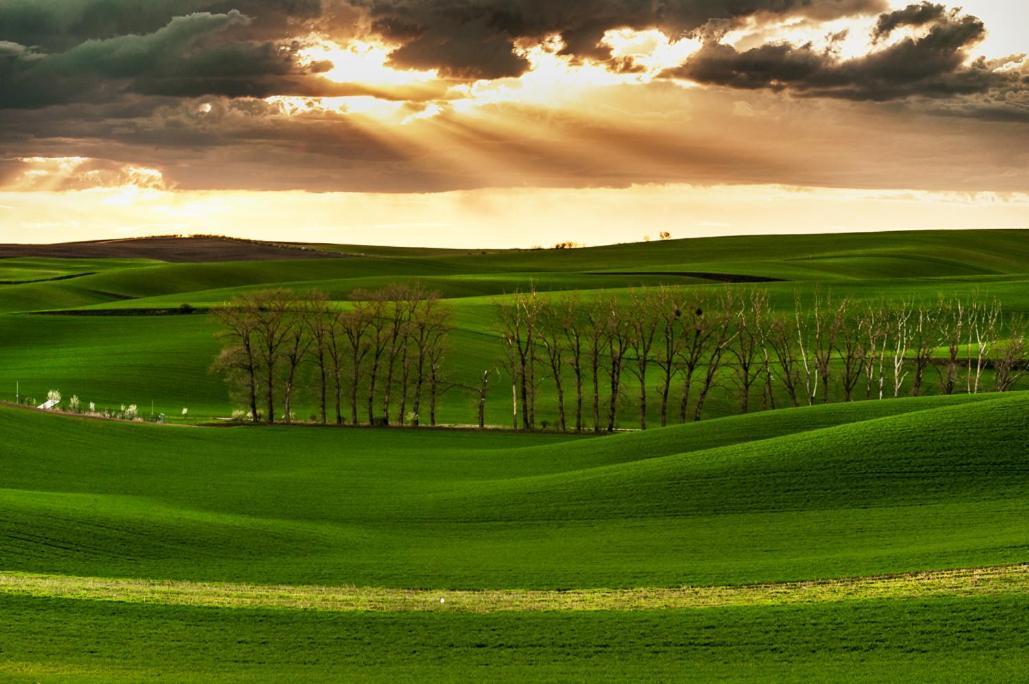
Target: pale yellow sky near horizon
[522, 217]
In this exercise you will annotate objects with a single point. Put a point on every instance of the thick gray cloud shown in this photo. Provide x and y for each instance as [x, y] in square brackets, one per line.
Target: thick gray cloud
[100, 68]
[475, 38]
[58, 25]
[912, 15]
[932, 65]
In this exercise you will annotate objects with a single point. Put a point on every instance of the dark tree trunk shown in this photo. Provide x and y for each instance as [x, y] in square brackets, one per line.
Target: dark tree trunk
[252, 377]
[323, 388]
[578, 396]
[595, 358]
[483, 389]
[433, 395]
[643, 399]
[666, 390]
[419, 382]
[270, 389]
[372, 378]
[687, 387]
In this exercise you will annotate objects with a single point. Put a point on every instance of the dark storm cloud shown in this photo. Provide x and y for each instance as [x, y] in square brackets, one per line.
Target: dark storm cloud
[97, 68]
[932, 65]
[912, 15]
[475, 38]
[191, 55]
[58, 25]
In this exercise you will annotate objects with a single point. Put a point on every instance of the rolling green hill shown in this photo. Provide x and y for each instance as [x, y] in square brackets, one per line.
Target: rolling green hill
[831, 491]
[864, 489]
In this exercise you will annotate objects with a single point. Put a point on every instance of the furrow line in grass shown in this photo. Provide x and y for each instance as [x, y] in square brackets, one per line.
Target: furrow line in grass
[989, 581]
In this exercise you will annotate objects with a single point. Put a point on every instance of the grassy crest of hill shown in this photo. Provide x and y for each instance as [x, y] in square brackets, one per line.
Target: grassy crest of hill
[830, 492]
[841, 258]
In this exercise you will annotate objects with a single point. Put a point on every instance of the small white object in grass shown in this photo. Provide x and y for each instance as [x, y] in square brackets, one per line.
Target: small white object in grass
[442, 600]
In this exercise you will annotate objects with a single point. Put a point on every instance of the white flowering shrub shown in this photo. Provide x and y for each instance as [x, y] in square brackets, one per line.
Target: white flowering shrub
[131, 412]
[54, 396]
[185, 412]
[74, 405]
[92, 407]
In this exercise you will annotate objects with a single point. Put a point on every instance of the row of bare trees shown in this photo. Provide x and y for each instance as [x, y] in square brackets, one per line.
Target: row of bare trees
[683, 344]
[381, 357]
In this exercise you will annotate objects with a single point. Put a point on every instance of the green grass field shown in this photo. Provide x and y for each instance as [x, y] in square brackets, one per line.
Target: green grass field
[863, 541]
[132, 356]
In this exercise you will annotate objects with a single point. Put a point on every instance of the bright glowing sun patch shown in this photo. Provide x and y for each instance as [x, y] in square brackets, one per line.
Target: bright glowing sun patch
[362, 62]
[552, 78]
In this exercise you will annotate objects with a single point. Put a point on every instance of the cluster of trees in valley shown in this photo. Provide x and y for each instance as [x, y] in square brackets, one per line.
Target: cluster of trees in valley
[682, 344]
[654, 354]
[380, 358]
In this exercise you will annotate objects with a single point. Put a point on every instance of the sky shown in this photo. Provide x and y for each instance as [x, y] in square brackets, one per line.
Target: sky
[509, 122]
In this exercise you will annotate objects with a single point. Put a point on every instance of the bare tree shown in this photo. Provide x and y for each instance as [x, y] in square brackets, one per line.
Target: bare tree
[873, 325]
[900, 328]
[436, 352]
[747, 343]
[239, 359]
[398, 309]
[351, 339]
[721, 338]
[378, 339]
[519, 323]
[952, 334]
[669, 314]
[924, 336]
[552, 336]
[802, 329]
[594, 323]
[699, 325]
[431, 325]
[982, 331]
[780, 338]
[571, 323]
[1013, 362]
[641, 330]
[296, 345]
[850, 349]
[617, 332]
[763, 320]
[825, 321]
[318, 321]
[271, 310]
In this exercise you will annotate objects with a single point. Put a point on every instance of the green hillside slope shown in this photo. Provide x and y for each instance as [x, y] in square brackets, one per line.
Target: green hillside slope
[836, 496]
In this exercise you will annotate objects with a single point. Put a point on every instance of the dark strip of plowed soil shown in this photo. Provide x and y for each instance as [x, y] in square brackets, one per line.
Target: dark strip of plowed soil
[195, 249]
[717, 277]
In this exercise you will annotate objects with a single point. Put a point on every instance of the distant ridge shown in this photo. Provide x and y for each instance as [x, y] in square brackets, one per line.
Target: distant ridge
[169, 248]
